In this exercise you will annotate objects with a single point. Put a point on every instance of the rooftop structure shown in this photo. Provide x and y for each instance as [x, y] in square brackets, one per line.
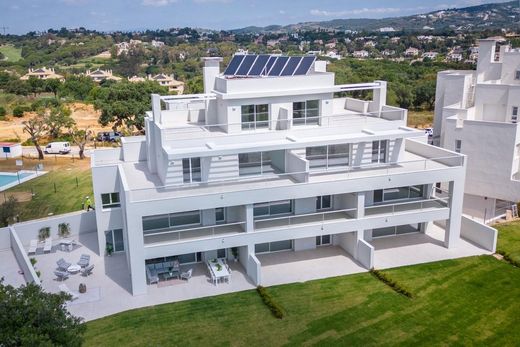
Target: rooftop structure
[42, 73]
[99, 75]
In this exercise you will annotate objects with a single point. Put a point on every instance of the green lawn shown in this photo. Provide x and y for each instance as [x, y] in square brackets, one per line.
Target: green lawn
[68, 196]
[469, 301]
[12, 53]
[509, 240]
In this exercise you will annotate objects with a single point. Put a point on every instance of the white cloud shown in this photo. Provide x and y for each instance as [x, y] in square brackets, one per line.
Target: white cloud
[358, 11]
[158, 3]
[281, 12]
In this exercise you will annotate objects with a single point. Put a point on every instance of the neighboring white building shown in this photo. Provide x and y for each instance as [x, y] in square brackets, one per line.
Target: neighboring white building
[11, 150]
[267, 159]
[99, 75]
[333, 55]
[157, 44]
[360, 54]
[430, 55]
[411, 52]
[476, 113]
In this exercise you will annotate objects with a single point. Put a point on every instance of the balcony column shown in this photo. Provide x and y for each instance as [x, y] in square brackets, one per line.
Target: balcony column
[249, 218]
[428, 193]
[453, 224]
[379, 97]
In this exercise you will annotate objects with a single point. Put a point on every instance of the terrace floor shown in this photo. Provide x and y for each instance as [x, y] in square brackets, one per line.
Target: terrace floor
[9, 269]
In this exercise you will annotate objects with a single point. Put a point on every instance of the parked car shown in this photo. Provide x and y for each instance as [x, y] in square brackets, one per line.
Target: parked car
[428, 131]
[108, 136]
[57, 148]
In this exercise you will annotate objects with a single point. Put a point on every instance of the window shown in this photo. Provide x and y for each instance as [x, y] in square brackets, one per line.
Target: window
[172, 220]
[323, 202]
[306, 112]
[323, 240]
[379, 151]
[399, 193]
[458, 146]
[397, 230]
[221, 253]
[255, 116]
[517, 75]
[277, 246]
[272, 208]
[114, 238]
[191, 170]
[514, 114]
[220, 215]
[110, 200]
[328, 156]
[255, 163]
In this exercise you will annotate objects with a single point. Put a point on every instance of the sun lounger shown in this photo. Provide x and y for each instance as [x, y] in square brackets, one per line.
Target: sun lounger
[33, 247]
[63, 287]
[87, 270]
[61, 275]
[84, 260]
[63, 265]
[48, 245]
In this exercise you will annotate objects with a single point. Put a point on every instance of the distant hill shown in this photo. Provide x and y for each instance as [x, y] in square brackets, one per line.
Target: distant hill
[474, 18]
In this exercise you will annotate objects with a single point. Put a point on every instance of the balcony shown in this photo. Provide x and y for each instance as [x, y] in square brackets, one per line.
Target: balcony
[203, 232]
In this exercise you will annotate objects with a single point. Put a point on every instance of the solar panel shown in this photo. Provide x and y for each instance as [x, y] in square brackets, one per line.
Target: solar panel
[291, 66]
[233, 65]
[246, 65]
[259, 65]
[278, 66]
[305, 65]
[269, 64]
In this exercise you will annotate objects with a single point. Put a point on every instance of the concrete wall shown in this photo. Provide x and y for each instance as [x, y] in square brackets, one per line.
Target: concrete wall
[347, 241]
[365, 254]
[481, 234]
[5, 238]
[304, 244]
[297, 164]
[23, 260]
[254, 269]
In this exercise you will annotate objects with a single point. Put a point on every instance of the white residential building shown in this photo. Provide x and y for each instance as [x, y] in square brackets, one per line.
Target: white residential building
[476, 113]
[267, 160]
[360, 54]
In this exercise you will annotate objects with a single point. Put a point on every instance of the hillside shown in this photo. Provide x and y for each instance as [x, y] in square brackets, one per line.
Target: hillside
[487, 16]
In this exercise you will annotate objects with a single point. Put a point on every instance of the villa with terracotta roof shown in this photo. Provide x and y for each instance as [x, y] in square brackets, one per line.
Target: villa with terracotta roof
[42, 73]
[101, 75]
[164, 80]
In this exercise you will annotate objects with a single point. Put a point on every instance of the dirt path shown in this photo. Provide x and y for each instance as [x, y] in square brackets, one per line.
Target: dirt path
[83, 114]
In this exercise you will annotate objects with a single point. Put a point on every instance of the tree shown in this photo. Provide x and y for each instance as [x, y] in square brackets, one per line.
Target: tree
[58, 118]
[425, 94]
[32, 317]
[2, 112]
[8, 210]
[403, 94]
[52, 85]
[17, 87]
[80, 137]
[126, 103]
[36, 85]
[36, 127]
[77, 87]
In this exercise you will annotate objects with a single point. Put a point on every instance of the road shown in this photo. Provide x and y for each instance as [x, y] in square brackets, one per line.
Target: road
[31, 151]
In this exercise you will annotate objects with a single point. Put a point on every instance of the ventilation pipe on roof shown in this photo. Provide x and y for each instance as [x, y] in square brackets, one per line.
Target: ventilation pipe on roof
[210, 71]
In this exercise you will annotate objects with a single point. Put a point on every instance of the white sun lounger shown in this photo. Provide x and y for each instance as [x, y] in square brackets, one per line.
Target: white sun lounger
[48, 245]
[33, 247]
[63, 287]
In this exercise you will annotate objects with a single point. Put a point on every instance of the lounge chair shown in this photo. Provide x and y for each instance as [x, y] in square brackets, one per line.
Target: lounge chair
[186, 275]
[61, 275]
[63, 288]
[48, 245]
[84, 260]
[63, 265]
[151, 274]
[86, 271]
[33, 247]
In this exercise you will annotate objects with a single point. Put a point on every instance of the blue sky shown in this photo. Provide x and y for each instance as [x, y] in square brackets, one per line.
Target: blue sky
[25, 15]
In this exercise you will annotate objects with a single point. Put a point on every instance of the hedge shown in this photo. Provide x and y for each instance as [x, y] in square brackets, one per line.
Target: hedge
[275, 308]
[391, 283]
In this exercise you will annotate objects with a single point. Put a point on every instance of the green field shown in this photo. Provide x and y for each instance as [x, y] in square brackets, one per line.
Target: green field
[509, 240]
[469, 301]
[12, 53]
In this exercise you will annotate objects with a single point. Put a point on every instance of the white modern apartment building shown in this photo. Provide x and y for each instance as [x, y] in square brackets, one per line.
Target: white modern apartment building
[476, 113]
[272, 157]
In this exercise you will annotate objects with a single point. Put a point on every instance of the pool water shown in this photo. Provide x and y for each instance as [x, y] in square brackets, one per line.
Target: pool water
[6, 179]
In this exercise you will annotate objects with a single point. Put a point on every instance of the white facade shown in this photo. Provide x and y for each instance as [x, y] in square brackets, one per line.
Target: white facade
[266, 164]
[476, 114]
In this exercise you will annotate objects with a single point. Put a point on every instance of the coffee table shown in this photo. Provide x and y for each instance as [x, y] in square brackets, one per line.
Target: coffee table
[74, 269]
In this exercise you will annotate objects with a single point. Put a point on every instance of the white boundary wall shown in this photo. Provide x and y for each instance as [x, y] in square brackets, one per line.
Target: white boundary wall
[365, 253]
[481, 234]
[21, 257]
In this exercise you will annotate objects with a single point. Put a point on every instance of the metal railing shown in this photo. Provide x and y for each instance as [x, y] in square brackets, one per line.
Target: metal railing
[307, 218]
[193, 233]
[407, 206]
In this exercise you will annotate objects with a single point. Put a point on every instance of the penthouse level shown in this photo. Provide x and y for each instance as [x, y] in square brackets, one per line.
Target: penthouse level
[262, 164]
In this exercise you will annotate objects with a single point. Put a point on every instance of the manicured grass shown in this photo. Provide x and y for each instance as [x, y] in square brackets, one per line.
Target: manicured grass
[69, 194]
[456, 302]
[509, 239]
[12, 53]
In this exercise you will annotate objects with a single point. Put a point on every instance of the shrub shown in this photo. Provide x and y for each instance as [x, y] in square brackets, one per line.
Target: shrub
[2, 112]
[508, 258]
[44, 233]
[44, 103]
[275, 309]
[391, 283]
[18, 111]
[63, 229]
[33, 261]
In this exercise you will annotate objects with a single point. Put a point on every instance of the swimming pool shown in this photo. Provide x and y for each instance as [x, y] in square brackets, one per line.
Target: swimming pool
[10, 179]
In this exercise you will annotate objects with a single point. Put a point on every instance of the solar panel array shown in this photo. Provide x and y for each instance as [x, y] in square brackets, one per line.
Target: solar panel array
[252, 65]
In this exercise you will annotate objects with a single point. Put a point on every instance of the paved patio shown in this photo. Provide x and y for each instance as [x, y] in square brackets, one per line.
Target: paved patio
[9, 269]
[302, 266]
[419, 248]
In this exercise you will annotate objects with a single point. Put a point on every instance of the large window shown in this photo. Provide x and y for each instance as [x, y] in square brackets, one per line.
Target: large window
[328, 156]
[255, 116]
[399, 193]
[323, 240]
[306, 112]
[517, 75]
[458, 146]
[255, 163]
[272, 208]
[514, 114]
[397, 230]
[323, 202]
[191, 170]
[172, 220]
[277, 246]
[114, 238]
[110, 200]
[379, 151]
[220, 215]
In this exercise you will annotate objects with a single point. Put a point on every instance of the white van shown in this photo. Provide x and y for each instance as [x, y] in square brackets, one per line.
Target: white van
[57, 148]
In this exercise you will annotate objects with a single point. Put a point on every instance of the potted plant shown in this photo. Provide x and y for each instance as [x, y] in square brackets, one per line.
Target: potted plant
[82, 288]
[109, 249]
[63, 230]
[234, 251]
[44, 233]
